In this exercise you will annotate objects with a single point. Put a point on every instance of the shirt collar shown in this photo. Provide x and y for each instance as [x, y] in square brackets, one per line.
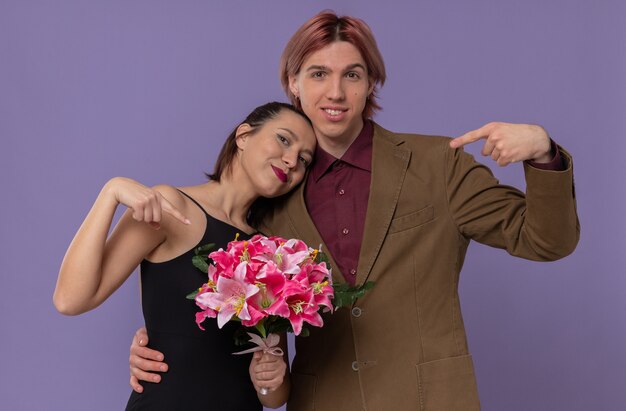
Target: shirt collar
[359, 154]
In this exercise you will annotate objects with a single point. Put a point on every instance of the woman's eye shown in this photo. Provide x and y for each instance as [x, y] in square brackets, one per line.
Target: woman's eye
[318, 74]
[304, 161]
[353, 75]
[282, 139]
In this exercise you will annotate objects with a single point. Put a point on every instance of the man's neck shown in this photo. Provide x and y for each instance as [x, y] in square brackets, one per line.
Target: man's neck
[337, 146]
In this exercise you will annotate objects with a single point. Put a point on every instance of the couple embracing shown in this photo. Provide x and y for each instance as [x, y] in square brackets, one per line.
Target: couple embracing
[396, 209]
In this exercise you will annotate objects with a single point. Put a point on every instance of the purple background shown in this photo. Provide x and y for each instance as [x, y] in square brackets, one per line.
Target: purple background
[149, 89]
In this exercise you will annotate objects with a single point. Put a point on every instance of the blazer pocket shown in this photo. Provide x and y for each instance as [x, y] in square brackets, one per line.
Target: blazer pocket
[448, 384]
[414, 219]
[302, 394]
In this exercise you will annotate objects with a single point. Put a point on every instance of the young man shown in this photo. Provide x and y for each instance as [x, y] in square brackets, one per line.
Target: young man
[400, 210]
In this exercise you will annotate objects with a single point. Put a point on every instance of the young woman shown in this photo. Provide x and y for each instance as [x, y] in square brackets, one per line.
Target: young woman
[265, 156]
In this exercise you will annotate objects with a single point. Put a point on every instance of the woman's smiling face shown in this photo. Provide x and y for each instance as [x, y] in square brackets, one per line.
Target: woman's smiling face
[275, 156]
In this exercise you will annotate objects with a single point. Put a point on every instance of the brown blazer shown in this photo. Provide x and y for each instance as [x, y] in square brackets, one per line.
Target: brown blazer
[403, 345]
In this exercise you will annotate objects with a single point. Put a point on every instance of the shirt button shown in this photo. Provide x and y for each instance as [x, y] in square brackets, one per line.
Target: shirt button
[355, 365]
[345, 231]
[341, 191]
[353, 271]
[356, 312]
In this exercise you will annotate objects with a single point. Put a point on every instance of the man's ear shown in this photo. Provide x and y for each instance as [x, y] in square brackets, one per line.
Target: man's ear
[241, 135]
[293, 86]
[371, 87]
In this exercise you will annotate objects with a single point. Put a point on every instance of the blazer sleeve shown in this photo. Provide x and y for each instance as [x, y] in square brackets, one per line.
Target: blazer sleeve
[540, 225]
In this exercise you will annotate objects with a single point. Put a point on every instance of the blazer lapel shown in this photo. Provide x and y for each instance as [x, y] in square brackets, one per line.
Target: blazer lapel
[305, 229]
[389, 165]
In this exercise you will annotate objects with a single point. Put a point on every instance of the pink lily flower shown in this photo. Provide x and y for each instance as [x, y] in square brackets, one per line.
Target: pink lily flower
[320, 281]
[298, 305]
[240, 250]
[280, 306]
[256, 315]
[272, 279]
[230, 297]
[271, 283]
[225, 262]
[302, 308]
[213, 275]
[208, 287]
[287, 255]
[290, 255]
[203, 315]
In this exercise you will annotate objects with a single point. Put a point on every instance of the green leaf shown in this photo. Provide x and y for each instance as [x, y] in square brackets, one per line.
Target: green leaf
[192, 296]
[241, 336]
[346, 295]
[204, 249]
[322, 258]
[200, 262]
[279, 325]
[341, 300]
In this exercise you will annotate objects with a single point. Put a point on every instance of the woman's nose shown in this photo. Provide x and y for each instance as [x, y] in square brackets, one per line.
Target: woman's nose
[290, 159]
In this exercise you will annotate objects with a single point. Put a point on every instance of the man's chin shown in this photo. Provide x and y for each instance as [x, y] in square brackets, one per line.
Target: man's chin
[332, 131]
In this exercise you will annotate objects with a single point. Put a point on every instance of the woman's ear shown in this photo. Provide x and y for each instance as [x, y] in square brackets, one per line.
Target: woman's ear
[241, 135]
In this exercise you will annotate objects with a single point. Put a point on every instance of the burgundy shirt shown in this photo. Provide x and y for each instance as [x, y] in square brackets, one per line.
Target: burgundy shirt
[336, 195]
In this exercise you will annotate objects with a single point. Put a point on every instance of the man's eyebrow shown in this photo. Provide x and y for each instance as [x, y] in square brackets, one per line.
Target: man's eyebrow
[316, 67]
[356, 65]
[349, 67]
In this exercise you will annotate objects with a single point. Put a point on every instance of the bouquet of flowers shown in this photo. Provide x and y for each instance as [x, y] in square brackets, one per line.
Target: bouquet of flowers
[271, 284]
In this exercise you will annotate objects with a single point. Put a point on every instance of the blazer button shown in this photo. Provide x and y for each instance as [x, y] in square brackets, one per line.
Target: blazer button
[356, 312]
[355, 365]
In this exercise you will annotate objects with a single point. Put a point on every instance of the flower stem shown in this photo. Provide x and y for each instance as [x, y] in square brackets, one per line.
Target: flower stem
[261, 327]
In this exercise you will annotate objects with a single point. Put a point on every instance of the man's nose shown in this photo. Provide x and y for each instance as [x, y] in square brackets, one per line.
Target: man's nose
[335, 89]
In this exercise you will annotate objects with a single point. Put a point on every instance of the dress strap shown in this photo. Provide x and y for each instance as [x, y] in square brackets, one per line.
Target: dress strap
[194, 201]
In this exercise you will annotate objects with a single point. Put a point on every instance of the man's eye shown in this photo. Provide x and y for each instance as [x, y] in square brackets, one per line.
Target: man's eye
[318, 74]
[353, 75]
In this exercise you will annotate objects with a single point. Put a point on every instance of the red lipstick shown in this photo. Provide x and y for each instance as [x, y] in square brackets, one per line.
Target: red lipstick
[280, 174]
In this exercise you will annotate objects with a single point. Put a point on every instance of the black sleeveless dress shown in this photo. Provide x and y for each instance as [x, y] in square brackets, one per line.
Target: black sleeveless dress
[203, 374]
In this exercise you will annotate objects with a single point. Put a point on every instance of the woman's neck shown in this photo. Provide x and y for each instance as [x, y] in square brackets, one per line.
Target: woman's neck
[230, 200]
